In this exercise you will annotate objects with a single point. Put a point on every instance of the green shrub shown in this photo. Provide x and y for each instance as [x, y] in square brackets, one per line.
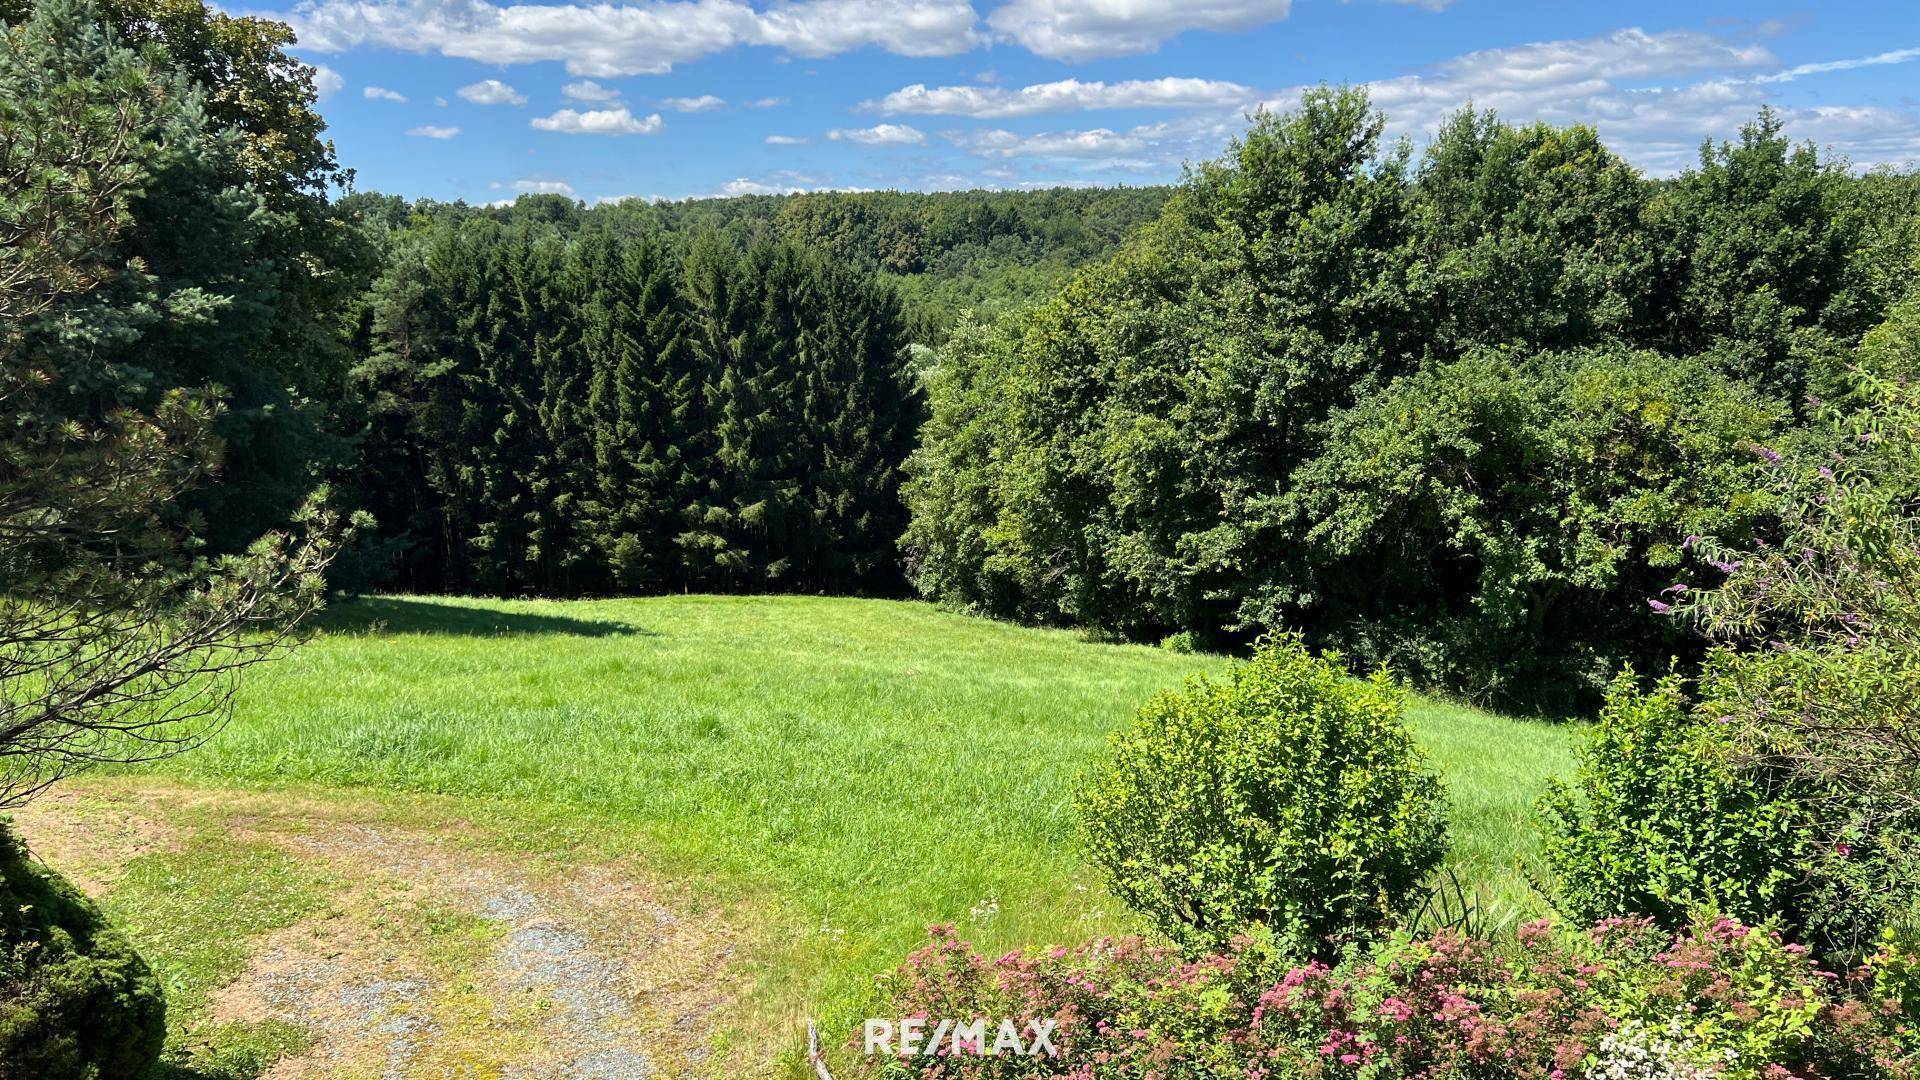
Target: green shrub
[1661, 819]
[1186, 641]
[1288, 796]
[76, 1000]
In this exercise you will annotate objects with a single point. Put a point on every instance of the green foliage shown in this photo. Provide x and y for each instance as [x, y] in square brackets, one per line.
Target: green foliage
[1112, 459]
[1817, 673]
[1286, 796]
[1456, 414]
[1528, 236]
[1661, 820]
[234, 267]
[1497, 523]
[76, 1000]
[1786, 788]
[594, 413]
[1758, 266]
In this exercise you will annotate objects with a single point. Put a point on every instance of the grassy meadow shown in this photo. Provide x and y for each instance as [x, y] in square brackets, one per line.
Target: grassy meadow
[847, 770]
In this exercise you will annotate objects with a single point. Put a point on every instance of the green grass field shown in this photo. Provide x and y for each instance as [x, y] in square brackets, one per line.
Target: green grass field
[849, 770]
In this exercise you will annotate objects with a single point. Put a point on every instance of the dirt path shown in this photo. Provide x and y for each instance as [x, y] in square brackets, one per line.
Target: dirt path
[435, 952]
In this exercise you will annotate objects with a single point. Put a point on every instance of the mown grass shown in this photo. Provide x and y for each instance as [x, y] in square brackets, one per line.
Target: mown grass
[192, 910]
[858, 768]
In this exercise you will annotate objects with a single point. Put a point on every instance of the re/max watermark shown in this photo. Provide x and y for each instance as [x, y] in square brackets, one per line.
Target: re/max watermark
[916, 1035]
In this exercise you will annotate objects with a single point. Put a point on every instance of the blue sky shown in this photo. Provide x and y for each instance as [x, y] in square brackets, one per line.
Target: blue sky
[482, 99]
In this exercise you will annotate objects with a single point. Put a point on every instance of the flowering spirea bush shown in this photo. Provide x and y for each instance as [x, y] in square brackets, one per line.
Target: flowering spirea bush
[1622, 999]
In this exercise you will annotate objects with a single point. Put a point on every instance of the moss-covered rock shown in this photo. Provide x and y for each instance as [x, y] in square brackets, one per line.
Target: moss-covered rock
[76, 1001]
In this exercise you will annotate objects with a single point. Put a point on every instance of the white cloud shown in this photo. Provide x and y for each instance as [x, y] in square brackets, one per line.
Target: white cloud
[381, 93]
[1654, 97]
[492, 92]
[1600, 81]
[1085, 29]
[643, 37]
[786, 140]
[326, 82]
[588, 90]
[879, 135]
[743, 186]
[1897, 56]
[1096, 143]
[1067, 95]
[618, 121]
[766, 102]
[429, 131]
[703, 103]
[540, 187]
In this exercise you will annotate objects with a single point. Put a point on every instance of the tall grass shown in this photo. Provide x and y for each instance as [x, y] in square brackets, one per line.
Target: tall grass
[856, 769]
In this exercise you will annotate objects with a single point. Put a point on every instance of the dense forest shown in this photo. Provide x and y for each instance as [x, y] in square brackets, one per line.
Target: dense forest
[1458, 410]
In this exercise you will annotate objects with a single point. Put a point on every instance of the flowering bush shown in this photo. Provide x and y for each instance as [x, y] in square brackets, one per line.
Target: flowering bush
[1622, 999]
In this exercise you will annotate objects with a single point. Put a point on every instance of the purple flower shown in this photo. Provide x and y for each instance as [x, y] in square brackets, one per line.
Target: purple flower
[1676, 587]
[1726, 567]
[1659, 608]
[1826, 473]
[1692, 539]
[1771, 455]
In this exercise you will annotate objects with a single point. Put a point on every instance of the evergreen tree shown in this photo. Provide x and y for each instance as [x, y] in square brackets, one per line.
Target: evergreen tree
[642, 409]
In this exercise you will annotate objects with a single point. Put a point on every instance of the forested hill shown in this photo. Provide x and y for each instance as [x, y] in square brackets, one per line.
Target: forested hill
[944, 252]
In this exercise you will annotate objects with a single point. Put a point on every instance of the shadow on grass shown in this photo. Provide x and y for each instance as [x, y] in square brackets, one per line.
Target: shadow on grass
[396, 615]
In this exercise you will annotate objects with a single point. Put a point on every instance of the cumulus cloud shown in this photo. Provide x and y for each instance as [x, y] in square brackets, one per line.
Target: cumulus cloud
[644, 37]
[1654, 97]
[429, 131]
[620, 121]
[1086, 29]
[766, 102]
[491, 92]
[1600, 81]
[703, 103]
[786, 140]
[326, 82]
[1096, 143]
[531, 186]
[1067, 95]
[588, 90]
[381, 93]
[743, 186]
[879, 135]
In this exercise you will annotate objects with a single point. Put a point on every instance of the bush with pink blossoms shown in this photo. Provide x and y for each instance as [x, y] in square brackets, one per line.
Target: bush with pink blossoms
[1621, 999]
